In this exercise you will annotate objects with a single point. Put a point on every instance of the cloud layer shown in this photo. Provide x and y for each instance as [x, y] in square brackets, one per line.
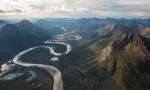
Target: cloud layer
[75, 8]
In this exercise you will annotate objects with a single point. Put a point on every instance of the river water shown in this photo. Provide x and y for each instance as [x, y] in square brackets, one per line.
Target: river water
[53, 71]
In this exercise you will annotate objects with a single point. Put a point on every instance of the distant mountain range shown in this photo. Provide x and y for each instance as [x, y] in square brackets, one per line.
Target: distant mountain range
[118, 30]
[114, 31]
[55, 25]
[92, 24]
[110, 21]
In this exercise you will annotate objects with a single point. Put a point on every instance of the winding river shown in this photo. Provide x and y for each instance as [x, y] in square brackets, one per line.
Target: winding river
[56, 74]
[53, 71]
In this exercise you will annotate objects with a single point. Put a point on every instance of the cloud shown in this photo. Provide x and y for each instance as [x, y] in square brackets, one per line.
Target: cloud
[1, 11]
[76, 8]
[10, 10]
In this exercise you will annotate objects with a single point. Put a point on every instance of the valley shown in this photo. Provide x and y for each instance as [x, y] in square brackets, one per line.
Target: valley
[84, 54]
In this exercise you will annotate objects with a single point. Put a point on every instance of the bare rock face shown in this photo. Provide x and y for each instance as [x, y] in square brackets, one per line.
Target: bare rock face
[129, 45]
[106, 52]
[132, 44]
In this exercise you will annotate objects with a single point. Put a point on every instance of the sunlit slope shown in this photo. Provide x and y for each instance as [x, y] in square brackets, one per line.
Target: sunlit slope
[122, 64]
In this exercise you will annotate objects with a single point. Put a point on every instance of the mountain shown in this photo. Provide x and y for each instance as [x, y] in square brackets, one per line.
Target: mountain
[129, 44]
[111, 21]
[19, 36]
[85, 25]
[92, 24]
[125, 61]
[114, 31]
[88, 25]
[54, 22]
[52, 26]
[110, 64]
[117, 30]
[2, 23]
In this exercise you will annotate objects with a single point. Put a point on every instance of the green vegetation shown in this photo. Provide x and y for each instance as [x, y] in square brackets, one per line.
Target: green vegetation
[123, 70]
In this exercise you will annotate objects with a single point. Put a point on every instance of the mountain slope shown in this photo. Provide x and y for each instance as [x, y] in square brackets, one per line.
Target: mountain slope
[116, 31]
[16, 37]
[110, 64]
[2, 23]
[125, 61]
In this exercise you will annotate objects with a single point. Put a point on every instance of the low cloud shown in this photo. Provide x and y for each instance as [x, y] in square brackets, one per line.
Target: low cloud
[11, 11]
[77, 8]
[1, 11]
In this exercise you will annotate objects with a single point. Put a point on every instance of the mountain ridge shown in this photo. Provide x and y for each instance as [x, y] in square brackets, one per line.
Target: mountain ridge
[19, 36]
[126, 58]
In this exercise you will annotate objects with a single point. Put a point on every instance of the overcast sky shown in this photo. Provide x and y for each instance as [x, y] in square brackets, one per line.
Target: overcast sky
[74, 8]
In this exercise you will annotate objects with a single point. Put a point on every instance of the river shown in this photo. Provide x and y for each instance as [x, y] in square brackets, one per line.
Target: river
[53, 71]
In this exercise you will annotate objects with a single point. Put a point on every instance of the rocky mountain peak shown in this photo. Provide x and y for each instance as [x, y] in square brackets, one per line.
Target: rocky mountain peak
[24, 22]
[131, 38]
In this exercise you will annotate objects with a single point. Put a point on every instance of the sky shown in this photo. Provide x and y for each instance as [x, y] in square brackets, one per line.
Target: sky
[74, 8]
